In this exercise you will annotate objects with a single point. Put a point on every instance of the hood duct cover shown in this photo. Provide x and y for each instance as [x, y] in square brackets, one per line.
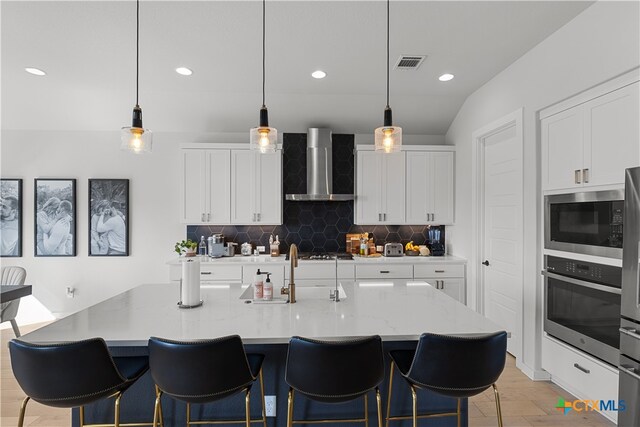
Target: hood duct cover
[319, 169]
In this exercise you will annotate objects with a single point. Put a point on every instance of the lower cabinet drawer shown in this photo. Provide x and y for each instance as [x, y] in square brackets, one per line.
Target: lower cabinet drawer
[438, 270]
[398, 271]
[211, 272]
[580, 374]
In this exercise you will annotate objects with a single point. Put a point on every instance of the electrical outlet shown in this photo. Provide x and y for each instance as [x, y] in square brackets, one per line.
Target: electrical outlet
[71, 292]
[261, 249]
[270, 406]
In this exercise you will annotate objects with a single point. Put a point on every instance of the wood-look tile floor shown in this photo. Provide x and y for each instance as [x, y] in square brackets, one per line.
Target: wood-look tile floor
[524, 402]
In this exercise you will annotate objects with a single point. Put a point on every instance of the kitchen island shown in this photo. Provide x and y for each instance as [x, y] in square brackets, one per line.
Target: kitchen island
[398, 311]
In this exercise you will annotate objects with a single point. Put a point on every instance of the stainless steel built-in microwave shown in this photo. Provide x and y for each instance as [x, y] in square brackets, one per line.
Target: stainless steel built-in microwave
[587, 223]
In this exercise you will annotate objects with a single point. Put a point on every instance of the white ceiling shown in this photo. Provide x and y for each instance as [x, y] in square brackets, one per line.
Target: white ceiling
[87, 49]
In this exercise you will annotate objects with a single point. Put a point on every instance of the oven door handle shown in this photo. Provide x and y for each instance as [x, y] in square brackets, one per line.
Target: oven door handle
[571, 280]
[630, 370]
[632, 332]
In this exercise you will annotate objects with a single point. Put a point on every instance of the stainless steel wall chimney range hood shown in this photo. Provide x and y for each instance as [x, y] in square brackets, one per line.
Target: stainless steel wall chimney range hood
[319, 172]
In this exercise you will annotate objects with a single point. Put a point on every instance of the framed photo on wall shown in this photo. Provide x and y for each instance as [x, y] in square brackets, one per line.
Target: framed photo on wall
[55, 217]
[108, 217]
[10, 217]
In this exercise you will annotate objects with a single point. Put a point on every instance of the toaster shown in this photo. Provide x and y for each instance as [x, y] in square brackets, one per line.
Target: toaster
[393, 249]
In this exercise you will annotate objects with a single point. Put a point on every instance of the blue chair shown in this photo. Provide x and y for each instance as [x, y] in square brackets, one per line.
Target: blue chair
[334, 372]
[74, 374]
[453, 366]
[204, 371]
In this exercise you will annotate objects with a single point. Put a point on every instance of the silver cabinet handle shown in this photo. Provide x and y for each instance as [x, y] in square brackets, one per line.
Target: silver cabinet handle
[379, 217]
[205, 272]
[632, 332]
[208, 217]
[384, 271]
[442, 284]
[259, 217]
[585, 175]
[437, 284]
[384, 216]
[580, 368]
[433, 217]
[578, 176]
[439, 271]
[202, 217]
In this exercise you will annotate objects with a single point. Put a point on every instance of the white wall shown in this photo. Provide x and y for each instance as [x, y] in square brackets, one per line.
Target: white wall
[154, 192]
[599, 44]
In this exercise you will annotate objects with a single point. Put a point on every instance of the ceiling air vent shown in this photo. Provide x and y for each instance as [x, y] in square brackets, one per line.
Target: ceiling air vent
[409, 62]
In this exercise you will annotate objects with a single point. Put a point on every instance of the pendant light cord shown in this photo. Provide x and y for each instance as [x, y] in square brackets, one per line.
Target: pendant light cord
[137, 47]
[387, 53]
[263, 49]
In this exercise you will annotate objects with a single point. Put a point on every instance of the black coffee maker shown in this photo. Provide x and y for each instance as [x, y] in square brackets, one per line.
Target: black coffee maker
[435, 241]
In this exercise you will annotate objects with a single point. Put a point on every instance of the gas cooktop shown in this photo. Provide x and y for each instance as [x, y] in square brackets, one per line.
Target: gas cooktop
[321, 256]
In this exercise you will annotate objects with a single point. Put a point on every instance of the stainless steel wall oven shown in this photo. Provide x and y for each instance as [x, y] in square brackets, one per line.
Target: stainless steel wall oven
[582, 306]
[588, 223]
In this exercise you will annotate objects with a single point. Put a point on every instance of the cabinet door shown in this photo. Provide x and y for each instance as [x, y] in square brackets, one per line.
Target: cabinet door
[612, 136]
[368, 188]
[193, 207]
[243, 186]
[454, 288]
[441, 187]
[219, 193]
[418, 178]
[269, 182]
[562, 150]
[393, 188]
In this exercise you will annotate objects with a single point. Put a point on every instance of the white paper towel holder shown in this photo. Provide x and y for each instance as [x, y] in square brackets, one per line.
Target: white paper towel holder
[180, 304]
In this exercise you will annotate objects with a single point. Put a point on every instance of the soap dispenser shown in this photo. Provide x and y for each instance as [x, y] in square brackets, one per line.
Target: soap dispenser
[268, 288]
[258, 287]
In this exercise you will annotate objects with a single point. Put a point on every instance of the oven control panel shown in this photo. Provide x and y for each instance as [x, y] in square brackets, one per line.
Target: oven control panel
[589, 271]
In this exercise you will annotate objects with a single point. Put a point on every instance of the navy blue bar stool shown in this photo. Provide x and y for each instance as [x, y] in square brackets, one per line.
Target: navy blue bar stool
[204, 371]
[74, 374]
[334, 372]
[454, 366]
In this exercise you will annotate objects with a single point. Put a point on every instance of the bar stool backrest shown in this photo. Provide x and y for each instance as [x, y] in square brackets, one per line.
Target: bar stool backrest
[458, 365]
[334, 371]
[66, 374]
[205, 370]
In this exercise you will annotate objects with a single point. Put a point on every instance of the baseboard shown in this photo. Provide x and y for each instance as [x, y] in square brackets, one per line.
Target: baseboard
[533, 374]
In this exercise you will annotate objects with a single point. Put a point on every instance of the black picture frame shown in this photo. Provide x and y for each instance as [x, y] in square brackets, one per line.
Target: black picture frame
[112, 195]
[11, 188]
[53, 217]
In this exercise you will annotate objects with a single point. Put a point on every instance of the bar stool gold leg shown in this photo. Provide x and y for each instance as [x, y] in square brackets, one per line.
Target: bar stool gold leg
[379, 404]
[458, 412]
[290, 408]
[117, 410]
[264, 414]
[157, 408]
[23, 408]
[82, 416]
[366, 411]
[247, 409]
[160, 408]
[498, 410]
[188, 414]
[414, 397]
[390, 390]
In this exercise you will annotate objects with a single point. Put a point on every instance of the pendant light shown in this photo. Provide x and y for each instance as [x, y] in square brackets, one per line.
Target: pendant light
[136, 139]
[263, 138]
[388, 138]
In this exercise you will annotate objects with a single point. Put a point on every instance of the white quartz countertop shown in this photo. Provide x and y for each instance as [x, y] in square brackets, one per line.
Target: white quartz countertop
[251, 259]
[395, 310]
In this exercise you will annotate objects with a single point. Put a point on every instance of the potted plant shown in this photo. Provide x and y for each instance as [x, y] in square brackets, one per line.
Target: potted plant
[188, 247]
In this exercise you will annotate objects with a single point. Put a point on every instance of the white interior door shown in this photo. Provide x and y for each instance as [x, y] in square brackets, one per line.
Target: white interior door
[502, 228]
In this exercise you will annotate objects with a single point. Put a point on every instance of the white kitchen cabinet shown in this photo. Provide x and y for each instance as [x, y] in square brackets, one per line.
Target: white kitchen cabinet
[256, 187]
[429, 178]
[205, 186]
[210, 273]
[380, 188]
[383, 271]
[449, 278]
[591, 144]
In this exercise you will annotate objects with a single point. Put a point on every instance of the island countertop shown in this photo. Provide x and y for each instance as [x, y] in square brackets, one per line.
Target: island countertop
[395, 310]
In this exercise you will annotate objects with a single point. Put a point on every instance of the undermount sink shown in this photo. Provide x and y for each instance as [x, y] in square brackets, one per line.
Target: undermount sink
[314, 292]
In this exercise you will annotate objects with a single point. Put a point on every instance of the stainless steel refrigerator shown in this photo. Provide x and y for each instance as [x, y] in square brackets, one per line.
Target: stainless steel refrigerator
[630, 307]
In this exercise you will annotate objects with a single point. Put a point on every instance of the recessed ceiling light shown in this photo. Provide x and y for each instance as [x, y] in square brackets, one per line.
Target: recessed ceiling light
[319, 74]
[35, 71]
[445, 77]
[184, 71]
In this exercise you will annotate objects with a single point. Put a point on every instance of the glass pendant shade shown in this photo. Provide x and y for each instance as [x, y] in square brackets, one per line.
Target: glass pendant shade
[137, 140]
[388, 139]
[264, 139]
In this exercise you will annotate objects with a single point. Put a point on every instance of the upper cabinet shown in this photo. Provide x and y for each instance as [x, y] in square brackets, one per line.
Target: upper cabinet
[256, 187]
[429, 178]
[230, 186]
[380, 188]
[591, 144]
[205, 186]
[414, 186]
